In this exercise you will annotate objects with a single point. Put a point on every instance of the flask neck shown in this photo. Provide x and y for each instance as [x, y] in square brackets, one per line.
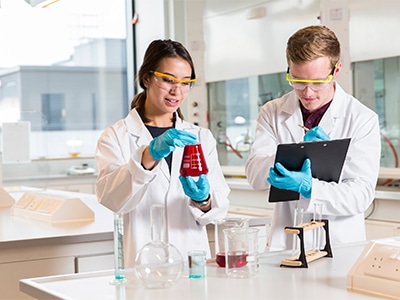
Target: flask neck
[158, 224]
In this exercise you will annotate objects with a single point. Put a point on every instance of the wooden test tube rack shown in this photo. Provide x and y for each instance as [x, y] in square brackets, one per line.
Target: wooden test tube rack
[311, 255]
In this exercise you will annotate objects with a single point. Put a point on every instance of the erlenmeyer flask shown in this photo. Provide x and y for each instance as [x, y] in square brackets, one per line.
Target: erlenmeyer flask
[193, 161]
[158, 264]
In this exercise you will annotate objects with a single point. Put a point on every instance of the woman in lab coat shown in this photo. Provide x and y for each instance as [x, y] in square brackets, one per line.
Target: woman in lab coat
[139, 159]
[318, 103]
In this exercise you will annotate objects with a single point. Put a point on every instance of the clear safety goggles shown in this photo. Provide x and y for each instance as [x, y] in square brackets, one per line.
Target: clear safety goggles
[169, 82]
[314, 84]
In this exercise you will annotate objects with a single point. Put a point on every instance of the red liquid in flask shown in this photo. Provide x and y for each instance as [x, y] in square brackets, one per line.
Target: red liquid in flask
[193, 161]
[236, 259]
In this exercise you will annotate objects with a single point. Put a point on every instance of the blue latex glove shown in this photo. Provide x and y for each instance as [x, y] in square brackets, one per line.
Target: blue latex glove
[299, 181]
[316, 133]
[197, 191]
[165, 143]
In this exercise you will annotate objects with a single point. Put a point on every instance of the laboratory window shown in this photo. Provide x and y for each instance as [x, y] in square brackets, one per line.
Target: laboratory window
[234, 106]
[53, 107]
[66, 73]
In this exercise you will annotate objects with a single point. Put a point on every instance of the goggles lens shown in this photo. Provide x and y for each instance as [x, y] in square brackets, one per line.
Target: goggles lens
[168, 82]
[314, 84]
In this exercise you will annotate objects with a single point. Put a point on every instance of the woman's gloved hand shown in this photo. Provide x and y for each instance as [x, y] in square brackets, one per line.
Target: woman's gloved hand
[165, 143]
[316, 133]
[300, 181]
[196, 190]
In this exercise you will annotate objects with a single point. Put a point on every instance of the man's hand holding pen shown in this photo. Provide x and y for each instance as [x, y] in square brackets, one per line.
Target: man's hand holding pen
[314, 134]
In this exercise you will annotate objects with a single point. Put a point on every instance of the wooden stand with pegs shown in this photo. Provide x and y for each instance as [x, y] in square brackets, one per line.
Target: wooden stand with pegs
[311, 255]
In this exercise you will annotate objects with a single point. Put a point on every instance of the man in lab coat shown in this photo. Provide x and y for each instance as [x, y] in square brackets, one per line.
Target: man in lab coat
[318, 103]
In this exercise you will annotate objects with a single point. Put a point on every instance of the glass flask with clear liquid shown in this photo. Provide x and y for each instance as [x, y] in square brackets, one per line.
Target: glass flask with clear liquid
[158, 264]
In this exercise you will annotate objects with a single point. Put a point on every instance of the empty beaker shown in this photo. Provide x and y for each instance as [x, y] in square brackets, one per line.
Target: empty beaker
[219, 237]
[193, 161]
[241, 251]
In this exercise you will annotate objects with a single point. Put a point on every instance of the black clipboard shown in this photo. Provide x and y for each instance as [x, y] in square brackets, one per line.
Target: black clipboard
[327, 159]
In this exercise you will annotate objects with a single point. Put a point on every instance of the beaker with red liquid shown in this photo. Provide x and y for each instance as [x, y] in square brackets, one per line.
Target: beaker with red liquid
[193, 161]
[236, 259]
[241, 251]
[219, 226]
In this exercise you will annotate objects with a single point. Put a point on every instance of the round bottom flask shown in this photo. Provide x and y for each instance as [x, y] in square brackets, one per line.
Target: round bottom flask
[158, 264]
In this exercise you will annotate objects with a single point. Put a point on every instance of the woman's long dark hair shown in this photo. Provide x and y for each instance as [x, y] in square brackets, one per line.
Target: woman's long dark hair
[157, 51]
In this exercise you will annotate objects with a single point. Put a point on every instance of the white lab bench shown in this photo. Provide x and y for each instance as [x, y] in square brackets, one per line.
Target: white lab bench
[30, 248]
[325, 278]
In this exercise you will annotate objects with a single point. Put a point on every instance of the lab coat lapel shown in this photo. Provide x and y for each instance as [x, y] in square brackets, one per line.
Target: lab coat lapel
[335, 112]
[178, 153]
[136, 127]
[292, 108]
[327, 121]
[176, 163]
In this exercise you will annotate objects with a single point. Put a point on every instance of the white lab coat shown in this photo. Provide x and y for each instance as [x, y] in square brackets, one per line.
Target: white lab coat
[343, 204]
[123, 185]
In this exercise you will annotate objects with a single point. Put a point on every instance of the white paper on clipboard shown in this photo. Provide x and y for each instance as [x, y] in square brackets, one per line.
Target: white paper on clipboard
[16, 142]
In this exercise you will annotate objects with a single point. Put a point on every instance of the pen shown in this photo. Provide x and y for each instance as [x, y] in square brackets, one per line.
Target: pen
[304, 127]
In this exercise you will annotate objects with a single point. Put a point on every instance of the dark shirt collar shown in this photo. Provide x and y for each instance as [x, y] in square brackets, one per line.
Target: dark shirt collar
[312, 119]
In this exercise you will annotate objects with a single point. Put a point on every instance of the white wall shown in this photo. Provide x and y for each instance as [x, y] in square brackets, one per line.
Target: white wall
[374, 29]
[151, 25]
[238, 47]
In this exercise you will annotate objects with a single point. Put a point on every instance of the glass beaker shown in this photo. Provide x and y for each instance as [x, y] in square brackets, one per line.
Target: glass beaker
[219, 237]
[193, 161]
[241, 251]
[158, 264]
[74, 147]
[197, 263]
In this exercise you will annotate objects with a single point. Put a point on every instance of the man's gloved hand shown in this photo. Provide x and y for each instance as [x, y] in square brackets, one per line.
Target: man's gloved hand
[197, 191]
[300, 181]
[165, 143]
[316, 133]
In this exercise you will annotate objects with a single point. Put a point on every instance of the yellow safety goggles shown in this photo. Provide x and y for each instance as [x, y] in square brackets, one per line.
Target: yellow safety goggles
[314, 84]
[168, 82]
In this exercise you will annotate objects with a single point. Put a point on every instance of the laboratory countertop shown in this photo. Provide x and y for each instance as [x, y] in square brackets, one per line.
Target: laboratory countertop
[381, 192]
[325, 278]
[51, 177]
[19, 230]
[239, 172]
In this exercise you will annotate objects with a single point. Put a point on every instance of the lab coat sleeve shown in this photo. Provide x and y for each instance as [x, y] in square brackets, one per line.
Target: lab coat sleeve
[122, 180]
[219, 189]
